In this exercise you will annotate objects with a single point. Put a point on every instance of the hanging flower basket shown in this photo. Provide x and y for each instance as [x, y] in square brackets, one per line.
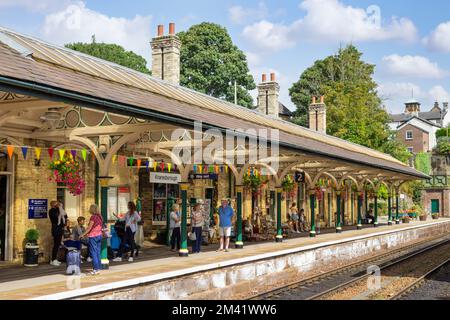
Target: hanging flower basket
[288, 184]
[67, 171]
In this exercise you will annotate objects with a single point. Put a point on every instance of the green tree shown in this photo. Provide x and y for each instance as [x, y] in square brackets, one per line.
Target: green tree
[211, 63]
[354, 110]
[113, 53]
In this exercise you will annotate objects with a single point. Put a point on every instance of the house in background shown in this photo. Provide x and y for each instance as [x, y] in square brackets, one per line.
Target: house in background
[416, 129]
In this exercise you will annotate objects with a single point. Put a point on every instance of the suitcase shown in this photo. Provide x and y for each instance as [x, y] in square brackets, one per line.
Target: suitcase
[73, 262]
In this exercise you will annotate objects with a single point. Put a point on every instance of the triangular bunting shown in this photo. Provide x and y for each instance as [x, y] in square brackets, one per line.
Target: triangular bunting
[169, 166]
[73, 153]
[37, 152]
[24, 152]
[10, 151]
[147, 164]
[50, 153]
[130, 161]
[162, 166]
[139, 161]
[155, 164]
[61, 154]
[114, 158]
[84, 154]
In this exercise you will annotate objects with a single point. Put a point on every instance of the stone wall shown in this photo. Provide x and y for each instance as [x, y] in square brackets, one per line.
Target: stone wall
[242, 279]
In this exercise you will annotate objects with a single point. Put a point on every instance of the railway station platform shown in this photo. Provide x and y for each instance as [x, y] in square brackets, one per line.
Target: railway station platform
[218, 275]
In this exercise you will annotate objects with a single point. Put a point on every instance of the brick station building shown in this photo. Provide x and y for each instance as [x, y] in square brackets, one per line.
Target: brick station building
[52, 98]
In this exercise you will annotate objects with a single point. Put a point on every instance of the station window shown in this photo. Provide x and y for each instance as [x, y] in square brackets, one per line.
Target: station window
[161, 194]
[118, 198]
[409, 135]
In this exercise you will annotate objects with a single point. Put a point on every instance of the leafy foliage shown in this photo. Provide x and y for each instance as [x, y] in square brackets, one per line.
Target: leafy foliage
[444, 132]
[113, 53]
[443, 146]
[210, 63]
[32, 235]
[252, 182]
[422, 162]
[288, 184]
[354, 110]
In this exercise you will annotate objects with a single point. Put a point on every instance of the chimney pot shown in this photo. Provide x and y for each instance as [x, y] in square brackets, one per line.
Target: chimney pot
[171, 28]
[272, 77]
[322, 99]
[160, 30]
[264, 77]
[313, 100]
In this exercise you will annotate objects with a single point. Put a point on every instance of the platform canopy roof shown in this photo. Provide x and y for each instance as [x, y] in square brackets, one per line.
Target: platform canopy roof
[34, 67]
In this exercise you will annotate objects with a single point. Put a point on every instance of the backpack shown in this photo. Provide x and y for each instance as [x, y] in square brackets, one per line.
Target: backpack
[73, 262]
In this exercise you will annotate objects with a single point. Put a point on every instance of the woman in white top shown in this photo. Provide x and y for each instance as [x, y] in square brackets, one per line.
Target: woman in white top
[175, 227]
[197, 222]
[131, 219]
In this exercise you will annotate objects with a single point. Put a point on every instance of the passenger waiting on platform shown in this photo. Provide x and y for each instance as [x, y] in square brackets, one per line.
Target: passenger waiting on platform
[94, 234]
[131, 223]
[197, 222]
[302, 220]
[293, 211]
[175, 227]
[226, 214]
[77, 231]
[58, 218]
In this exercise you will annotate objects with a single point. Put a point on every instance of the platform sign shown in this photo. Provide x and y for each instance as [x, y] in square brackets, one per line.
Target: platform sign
[166, 178]
[37, 208]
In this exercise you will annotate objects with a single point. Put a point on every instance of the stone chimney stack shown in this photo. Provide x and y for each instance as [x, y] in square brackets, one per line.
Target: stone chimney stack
[318, 115]
[166, 55]
[268, 93]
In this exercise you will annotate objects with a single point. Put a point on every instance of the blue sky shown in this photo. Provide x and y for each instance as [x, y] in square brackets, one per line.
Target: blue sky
[408, 41]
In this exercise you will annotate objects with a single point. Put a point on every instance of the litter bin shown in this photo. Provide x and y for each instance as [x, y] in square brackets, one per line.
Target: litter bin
[31, 255]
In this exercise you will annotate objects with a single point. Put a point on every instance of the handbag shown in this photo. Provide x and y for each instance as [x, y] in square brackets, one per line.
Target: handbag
[192, 236]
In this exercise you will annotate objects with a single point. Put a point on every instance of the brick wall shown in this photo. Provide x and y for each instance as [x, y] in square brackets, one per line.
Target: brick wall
[420, 141]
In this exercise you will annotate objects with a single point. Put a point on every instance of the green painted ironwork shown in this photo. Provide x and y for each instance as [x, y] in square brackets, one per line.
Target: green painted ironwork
[389, 208]
[104, 212]
[375, 223]
[279, 228]
[312, 201]
[437, 181]
[338, 213]
[239, 238]
[359, 211]
[184, 244]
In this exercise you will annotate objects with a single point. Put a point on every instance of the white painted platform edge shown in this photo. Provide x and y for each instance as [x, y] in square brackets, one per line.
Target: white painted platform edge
[166, 275]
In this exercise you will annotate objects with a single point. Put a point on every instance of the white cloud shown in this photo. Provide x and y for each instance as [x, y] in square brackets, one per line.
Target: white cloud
[330, 20]
[78, 23]
[412, 66]
[269, 36]
[241, 15]
[438, 93]
[35, 5]
[399, 91]
[439, 39]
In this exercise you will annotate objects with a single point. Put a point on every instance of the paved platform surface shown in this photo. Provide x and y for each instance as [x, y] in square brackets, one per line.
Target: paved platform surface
[47, 282]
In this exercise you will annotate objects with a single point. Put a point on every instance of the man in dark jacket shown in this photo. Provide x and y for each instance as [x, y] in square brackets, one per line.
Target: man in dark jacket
[58, 219]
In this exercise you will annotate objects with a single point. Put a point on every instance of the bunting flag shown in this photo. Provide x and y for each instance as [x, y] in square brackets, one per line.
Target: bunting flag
[155, 164]
[139, 161]
[73, 153]
[195, 168]
[217, 169]
[24, 152]
[37, 152]
[200, 168]
[84, 154]
[226, 169]
[50, 153]
[10, 151]
[122, 161]
[114, 158]
[162, 166]
[147, 165]
[61, 154]
[169, 167]
[130, 161]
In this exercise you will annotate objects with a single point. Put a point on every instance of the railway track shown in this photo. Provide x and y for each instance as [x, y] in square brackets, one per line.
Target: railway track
[420, 281]
[321, 285]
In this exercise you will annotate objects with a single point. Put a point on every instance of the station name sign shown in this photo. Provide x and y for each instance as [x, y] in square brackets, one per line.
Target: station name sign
[167, 178]
[37, 208]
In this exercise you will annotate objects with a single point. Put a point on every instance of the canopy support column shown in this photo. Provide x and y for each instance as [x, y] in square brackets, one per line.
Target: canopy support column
[184, 252]
[338, 212]
[390, 209]
[239, 239]
[360, 203]
[312, 203]
[279, 237]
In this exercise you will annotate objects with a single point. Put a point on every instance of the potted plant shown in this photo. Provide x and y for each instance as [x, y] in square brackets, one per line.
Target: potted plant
[435, 216]
[406, 219]
[31, 248]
